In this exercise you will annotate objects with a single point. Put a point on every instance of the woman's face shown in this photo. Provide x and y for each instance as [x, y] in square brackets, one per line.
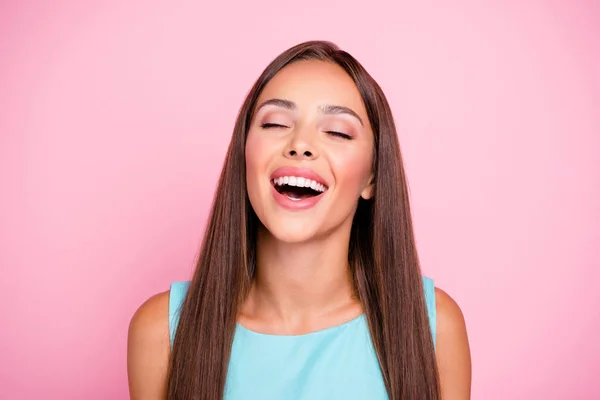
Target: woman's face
[309, 152]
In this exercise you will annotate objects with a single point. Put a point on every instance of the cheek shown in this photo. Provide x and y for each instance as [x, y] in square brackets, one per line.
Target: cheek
[258, 154]
[352, 170]
[253, 162]
[256, 150]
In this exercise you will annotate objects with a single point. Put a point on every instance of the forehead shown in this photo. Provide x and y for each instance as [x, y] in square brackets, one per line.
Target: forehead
[314, 83]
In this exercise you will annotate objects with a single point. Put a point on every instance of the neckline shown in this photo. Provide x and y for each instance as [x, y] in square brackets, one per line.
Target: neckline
[303, 335]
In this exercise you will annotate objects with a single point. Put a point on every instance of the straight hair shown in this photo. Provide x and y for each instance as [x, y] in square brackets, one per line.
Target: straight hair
[382, 257]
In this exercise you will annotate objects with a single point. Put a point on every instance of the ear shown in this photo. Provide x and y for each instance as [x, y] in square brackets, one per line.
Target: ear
[367, 192]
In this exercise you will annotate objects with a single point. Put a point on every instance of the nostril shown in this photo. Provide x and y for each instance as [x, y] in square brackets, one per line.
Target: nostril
[306, 153]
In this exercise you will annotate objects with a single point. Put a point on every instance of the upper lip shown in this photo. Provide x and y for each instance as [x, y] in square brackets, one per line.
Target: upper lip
[299, 172]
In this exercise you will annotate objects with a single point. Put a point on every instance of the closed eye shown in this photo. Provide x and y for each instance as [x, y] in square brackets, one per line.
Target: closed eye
[339, 134]
[268, 125]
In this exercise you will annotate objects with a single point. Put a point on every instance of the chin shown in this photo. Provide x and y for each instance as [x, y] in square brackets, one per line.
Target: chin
[292, 232]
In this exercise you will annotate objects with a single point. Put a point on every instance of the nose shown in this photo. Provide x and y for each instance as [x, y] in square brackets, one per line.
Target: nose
[300, 147]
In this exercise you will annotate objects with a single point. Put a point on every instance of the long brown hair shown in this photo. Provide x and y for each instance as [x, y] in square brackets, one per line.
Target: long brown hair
[382, 256]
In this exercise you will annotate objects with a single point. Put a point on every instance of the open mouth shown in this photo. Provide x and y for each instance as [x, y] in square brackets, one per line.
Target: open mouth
[298, 188]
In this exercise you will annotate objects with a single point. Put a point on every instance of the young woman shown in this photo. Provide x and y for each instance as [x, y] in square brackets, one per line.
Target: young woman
[308, 284]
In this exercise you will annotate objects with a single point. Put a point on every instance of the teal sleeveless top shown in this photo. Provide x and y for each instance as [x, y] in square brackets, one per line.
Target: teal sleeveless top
[337, 363]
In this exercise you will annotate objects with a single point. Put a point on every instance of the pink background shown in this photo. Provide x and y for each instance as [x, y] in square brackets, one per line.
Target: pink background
[114, 119]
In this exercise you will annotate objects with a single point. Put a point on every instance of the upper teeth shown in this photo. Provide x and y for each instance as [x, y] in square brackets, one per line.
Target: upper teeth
[299, 181]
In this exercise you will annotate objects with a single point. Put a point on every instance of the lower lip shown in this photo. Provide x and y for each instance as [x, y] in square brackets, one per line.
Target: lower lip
[290, 204]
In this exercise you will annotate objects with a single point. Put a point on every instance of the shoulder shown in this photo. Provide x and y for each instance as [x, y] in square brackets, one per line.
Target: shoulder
[148, 348]
[450, 318]
[151, 318]
[452, 347]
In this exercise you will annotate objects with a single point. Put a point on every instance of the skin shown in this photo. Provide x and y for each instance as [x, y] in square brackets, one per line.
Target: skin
[293, 293]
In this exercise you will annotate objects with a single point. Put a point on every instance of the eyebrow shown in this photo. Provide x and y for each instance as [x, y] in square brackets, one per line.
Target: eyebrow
[290, 105]
[334, 110]
[326, 109]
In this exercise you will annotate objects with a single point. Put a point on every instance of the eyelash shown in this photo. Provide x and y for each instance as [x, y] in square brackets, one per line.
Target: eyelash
[268, 125]
[340, 135]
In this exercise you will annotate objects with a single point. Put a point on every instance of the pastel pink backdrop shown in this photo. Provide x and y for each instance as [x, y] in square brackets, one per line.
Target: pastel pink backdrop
[115, 117]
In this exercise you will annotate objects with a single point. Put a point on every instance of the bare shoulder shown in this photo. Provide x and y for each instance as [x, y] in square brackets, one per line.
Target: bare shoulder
[148, 348]
[452, 348]
[449, 315]
[152, 317]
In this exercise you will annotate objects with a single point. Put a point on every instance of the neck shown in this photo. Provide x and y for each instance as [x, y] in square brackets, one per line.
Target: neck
[298, 282]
